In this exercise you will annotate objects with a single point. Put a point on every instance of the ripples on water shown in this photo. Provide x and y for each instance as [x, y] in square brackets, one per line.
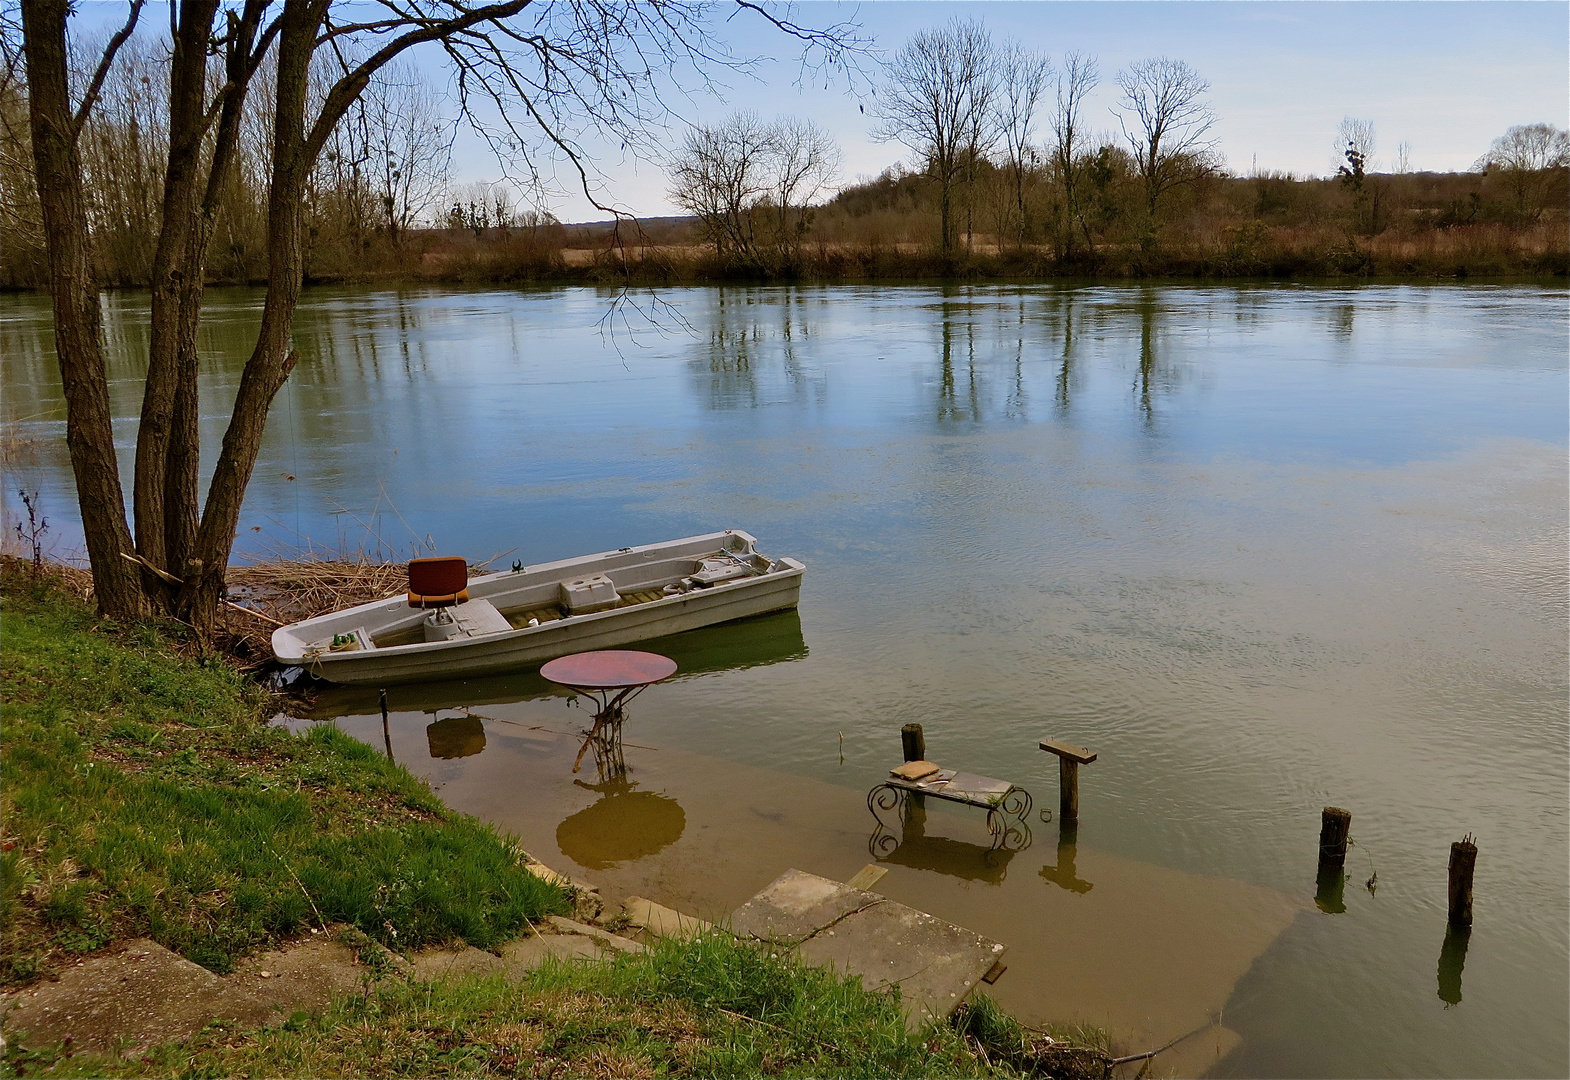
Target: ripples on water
[1264, 549]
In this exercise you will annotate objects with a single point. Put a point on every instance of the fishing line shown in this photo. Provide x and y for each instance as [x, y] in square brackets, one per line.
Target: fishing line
[294, 459]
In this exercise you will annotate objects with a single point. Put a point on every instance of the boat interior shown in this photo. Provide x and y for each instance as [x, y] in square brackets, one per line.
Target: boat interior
[529, 597]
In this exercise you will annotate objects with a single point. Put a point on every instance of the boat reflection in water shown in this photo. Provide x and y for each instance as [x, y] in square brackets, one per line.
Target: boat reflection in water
[735, 646]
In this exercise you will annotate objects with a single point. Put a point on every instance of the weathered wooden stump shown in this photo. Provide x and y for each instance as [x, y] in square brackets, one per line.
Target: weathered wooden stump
[915, 742]
[1070, 758]
[1334, 830]
[1463, 860]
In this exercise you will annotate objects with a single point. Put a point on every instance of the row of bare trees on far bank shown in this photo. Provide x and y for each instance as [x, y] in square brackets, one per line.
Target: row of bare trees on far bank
[1005, 174]
[382, 176]
[1155, 196]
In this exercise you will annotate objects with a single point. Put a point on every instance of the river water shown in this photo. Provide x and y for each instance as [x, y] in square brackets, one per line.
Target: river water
[1263, 549]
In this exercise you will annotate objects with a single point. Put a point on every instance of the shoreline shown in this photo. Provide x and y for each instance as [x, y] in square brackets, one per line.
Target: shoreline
[174, 750]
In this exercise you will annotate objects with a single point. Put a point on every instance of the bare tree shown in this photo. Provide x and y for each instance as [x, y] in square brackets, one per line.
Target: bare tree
[720, 175]
[1355, 140]
[749, 183]
[1167, 123]
[1523, 155]
[1356, 136]
[936, 98]
[561, 71]
[410, 147]
[21, 219]
[1077, 77]
[1023, 75]
[804, 164]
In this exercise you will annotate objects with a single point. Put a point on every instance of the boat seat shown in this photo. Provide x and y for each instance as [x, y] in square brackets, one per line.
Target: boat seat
[438, 582]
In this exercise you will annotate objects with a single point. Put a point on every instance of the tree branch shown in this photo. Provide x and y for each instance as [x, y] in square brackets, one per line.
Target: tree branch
[104, 65]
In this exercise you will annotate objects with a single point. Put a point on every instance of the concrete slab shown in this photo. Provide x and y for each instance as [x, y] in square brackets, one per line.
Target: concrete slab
[662, 921]
[455, 963]
[303, 977]
[524, 955]
[129, 1000]
[934, 963]
[604, 937]
[796, 905]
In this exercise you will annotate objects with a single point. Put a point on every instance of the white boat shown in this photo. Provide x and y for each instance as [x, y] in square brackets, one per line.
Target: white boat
[526, 616]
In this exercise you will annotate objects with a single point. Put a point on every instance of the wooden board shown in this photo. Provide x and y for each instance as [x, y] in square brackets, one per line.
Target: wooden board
[1077, 754]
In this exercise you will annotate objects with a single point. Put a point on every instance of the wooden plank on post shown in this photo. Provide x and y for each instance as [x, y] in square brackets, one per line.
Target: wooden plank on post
[915, 742]
[1077, 754]
[1334, 828]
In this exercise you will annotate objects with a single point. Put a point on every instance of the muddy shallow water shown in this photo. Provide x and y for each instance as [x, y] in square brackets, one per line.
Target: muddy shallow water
[1263, 549]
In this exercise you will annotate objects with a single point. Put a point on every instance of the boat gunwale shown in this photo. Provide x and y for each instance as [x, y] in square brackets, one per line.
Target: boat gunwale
[792, 568]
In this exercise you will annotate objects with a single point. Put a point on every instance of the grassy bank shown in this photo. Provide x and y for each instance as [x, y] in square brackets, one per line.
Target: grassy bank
[710, 1007]
[144, 796]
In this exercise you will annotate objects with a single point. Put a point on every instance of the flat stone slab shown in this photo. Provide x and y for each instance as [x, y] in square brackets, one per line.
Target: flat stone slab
[797, 905]
[304, 977]
[517, 958]
[524, 955]
[934, 963]
[441, 963]
[615, 942]
[129, 1000]
[662, 921]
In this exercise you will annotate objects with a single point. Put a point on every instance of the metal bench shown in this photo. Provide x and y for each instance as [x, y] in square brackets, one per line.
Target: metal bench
[1000, 799]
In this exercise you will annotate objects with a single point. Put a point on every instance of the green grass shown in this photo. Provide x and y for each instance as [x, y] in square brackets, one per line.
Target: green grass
[709, 1007]
[142, 794]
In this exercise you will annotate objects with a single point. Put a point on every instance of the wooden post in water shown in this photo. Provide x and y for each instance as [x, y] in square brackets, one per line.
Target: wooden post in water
[1334, 829]
[386, 731]
[1463, 860]
[1070, 758]
[915, 742]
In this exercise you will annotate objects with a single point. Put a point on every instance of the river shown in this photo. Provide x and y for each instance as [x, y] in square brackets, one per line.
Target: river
[1263, 549]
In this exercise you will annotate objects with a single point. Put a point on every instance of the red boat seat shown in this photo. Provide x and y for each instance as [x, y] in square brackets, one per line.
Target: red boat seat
[438, 582]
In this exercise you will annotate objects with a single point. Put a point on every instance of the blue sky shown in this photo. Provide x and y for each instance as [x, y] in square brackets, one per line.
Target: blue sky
[1446, 77]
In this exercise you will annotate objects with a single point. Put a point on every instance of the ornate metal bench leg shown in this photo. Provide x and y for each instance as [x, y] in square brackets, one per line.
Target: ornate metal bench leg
[884, 802]
[997, 827]
[1017, 803]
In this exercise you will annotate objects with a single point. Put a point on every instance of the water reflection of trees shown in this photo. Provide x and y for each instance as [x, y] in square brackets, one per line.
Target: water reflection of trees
[1063, 328]
[756, 350]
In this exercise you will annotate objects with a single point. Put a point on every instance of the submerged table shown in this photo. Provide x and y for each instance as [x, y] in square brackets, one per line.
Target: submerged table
[612, 677]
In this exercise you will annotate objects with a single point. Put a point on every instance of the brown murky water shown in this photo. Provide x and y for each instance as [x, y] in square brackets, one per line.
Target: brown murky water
[1146, 951]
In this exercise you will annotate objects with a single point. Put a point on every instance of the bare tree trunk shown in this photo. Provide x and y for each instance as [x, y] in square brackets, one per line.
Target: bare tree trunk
[272, 359]
[946, 214]
[165, 451]
[78, 345]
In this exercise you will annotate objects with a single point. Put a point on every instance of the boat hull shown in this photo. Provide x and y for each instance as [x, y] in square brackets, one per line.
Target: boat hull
[526, 647]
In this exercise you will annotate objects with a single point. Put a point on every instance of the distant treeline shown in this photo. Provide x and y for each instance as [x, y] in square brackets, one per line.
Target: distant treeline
[983, 199]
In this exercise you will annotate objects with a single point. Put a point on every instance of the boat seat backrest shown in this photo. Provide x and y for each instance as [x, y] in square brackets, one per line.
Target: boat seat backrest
[441, 581]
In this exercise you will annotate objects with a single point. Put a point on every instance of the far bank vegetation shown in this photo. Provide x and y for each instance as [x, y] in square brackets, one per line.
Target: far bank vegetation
[1005, 176]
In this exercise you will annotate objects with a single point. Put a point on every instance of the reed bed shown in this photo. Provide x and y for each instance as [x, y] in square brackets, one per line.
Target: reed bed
[266, 595]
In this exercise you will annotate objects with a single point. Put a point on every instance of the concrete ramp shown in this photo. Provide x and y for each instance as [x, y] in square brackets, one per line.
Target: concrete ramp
[934, 963]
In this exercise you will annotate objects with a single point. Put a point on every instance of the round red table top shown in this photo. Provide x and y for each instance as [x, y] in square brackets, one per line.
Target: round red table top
[609, 669]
